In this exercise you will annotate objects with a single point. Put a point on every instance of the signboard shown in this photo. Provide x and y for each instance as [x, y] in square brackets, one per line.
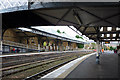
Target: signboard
[107, 42]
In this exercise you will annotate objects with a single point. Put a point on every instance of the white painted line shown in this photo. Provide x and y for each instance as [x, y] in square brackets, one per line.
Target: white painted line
[39, 53]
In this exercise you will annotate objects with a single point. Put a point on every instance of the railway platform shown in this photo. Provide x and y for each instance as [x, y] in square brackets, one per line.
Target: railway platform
[86, 68]
[50, 52]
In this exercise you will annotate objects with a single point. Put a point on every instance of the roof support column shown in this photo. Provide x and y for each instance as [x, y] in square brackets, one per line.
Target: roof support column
[68, 45]
[1, 38]
[1, 34]
[100, 47]
[0, 41]
[47, 46]
[98, 52]
[61, 45]
[27, 44]
[39, 39]
[56, 45]
[103, 46]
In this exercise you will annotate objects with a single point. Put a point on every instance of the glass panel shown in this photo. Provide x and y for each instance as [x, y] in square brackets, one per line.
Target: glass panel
[117, 28]
[109, 28]
[101, 29]
[114, 35]
[7, 4]
[108, 35]
[102, 35]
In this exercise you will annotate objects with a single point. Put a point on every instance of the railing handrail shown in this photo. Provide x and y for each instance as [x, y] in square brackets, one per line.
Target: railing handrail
[19, 44]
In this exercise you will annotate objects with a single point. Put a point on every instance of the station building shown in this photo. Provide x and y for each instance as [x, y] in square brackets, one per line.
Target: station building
[37, 41]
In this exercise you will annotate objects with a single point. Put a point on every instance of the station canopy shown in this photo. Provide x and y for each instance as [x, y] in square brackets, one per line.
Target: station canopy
[98, 21]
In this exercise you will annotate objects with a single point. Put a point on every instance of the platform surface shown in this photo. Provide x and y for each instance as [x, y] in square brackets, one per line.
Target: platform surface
[88, 69]
[49, 52]
[63, 71]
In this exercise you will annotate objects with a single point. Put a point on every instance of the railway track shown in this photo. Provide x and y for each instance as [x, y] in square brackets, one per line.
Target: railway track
[43, 66]
[12, 63]
[16, 66]
[42, 73]
[36, 64]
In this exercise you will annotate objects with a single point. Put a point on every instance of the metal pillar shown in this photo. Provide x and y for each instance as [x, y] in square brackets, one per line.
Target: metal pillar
[58, 41]
[38, 44]
[61, 46]
[98, 52]
[56, 45]
[1, 34]
[27, 44]
[47, 46]
[100, 47]
[1, 38]
[0, 43]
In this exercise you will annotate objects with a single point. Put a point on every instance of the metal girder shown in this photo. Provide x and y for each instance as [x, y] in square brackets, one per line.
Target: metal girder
[109, 37]
[109, 40]
[102, 39]
[64, 15]
[101, 26]
[95, 16]
[103, 19]
[117, 36]
[57, 18]
[84, 30]
[25, 34]
[78, 17]
[72, 4]
[29, 4]
[107, 32]
[95, 29]
[74, 30]
[98, 33]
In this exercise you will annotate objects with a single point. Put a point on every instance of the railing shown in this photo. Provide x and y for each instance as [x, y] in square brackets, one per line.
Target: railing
[33, 47]
[6, 42]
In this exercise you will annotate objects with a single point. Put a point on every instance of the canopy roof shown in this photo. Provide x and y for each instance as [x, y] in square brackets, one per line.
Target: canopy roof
[88, 18]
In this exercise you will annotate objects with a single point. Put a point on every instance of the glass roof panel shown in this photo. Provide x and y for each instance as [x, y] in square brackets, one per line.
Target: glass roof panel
[5, 5]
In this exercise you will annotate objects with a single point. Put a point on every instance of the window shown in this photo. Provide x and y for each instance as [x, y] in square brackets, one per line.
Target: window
[114, 35]
[108, 35]
[101, 29]
[109, 28]
[113, 39]
[102, 35]
[118, 39]
[117, 28]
